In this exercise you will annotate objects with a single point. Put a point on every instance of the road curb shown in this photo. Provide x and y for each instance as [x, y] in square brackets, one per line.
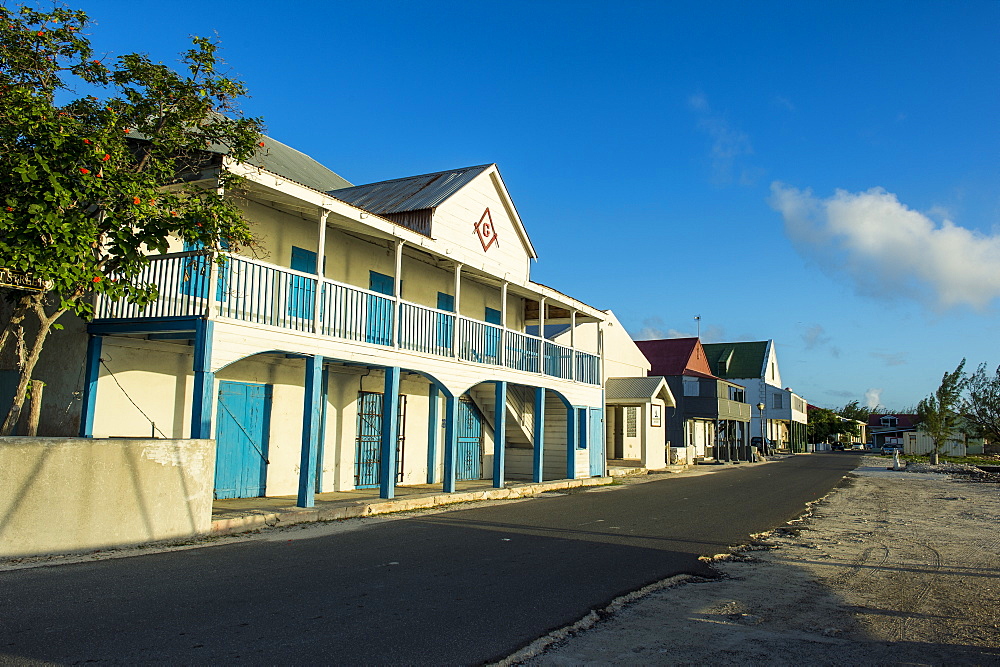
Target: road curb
[357, 509]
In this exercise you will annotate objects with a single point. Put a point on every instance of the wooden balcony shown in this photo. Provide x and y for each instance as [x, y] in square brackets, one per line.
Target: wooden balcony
[251, 291]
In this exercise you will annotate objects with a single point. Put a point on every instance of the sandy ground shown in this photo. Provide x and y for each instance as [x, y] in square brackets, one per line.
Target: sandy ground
[890, 568]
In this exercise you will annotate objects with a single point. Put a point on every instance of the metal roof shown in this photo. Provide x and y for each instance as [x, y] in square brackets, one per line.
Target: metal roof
[295, 165]
[645, 388]
[746, 360]
[413, 193]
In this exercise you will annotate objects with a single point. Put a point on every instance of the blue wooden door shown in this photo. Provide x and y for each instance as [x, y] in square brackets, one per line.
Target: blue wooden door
[368, 445]
[469, 461]
[596, 433]
[492, 336]
[195, 272]
[302, 290]
[378, 324]
[244, 419]
[445, 323]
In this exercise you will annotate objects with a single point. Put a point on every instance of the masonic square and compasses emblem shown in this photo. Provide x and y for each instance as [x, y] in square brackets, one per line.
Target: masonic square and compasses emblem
[485, 231]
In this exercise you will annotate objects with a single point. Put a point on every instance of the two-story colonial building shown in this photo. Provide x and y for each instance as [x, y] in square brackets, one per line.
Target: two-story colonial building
[378, 335]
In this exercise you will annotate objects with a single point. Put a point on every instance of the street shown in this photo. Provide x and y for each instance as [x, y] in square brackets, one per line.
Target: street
[458, 587]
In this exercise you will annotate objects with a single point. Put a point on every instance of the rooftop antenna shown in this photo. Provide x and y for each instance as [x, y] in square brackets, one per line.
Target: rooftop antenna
[697, 319]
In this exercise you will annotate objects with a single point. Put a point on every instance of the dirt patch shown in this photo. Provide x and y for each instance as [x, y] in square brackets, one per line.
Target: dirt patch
[890, 568]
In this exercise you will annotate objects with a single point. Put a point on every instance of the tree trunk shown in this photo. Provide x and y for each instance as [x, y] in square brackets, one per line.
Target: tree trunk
[45, 323]
[35, 411]
[933, 458]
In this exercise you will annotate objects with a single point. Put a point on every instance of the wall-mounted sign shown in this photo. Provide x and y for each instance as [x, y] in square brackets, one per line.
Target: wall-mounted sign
[656, 415]
[20, 280]
[485, 231]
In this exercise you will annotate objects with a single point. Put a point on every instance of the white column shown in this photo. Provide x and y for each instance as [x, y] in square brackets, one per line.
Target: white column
[458, 308]
[320, 261]
[501, 353]
[396, 289]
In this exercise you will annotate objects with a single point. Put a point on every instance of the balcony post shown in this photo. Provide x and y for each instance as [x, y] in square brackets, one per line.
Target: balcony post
[538, 462]
[320, 263]
[572, 345]
[390, 433]
[433, 429]
[541, 334]
[204, 381]
[311, 411]
[93, 372]
[213, 285]
[499, 432]
[450, 442]
[458, 308]
[396, 289]
[502, 352]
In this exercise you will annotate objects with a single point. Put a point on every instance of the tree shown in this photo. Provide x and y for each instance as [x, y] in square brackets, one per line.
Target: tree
[938, 414]
[83, 179]
[826, 424]
[981, 407]
[853, 410]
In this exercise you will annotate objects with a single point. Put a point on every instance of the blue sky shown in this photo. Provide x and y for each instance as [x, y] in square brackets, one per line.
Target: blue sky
[823, 174]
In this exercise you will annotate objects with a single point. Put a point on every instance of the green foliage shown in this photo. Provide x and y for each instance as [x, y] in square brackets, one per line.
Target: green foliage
[90, 184]
[938, 414]
[981, 407]
[82, 195]
[853, 410]
[826, 425]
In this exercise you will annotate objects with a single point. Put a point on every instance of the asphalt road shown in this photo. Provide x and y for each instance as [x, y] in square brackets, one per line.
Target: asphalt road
[460, 587]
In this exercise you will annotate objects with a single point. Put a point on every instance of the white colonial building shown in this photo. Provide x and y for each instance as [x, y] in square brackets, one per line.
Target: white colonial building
[379, 335]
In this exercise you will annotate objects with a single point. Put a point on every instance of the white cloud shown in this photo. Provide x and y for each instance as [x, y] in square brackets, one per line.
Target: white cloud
[890, 250]
[653, 329]
[873, 398]
[815, 336]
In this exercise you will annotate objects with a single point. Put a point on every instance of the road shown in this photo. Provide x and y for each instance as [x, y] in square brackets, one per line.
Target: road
[459, 587]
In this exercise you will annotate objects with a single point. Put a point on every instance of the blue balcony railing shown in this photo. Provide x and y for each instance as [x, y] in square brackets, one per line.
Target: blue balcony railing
[251, 291]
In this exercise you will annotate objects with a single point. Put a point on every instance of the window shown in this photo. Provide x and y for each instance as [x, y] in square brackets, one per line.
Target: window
[631, 429]
[581, 428]
[889, 420]
[776, 401]
[691, 387]
[737, 394]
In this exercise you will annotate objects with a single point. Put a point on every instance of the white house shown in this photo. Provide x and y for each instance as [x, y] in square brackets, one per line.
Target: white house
[380, 335]
[755, 366]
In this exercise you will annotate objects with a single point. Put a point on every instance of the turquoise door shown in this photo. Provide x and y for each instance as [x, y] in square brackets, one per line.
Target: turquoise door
[469, 462]
[368, 446]
[302, 290]
[491, 338]
[596, 432]
[378, 324]
[195, 272]
[244, 419]
[445, 323]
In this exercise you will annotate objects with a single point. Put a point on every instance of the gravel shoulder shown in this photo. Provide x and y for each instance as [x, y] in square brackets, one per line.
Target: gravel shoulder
[892, 567]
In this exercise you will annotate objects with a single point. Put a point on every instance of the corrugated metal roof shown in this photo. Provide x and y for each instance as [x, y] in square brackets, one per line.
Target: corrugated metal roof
[295, 165]
[675, 356]
[746, 360]
[413, 193]
[634, 387]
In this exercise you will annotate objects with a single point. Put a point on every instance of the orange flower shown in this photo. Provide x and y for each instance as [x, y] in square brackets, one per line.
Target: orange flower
[136, 201]
[84, 170]
[10, 208]
[105, 158]
[152, 201]
[86, 141]
[127, 130]
[97, 279]
[261, 144]
[41, 32]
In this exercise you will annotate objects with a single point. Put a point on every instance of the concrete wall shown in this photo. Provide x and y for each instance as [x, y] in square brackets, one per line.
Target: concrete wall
[71, 494]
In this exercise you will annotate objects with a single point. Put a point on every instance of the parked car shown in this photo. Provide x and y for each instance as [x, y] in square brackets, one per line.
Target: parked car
[891, 449]
[837, 446]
